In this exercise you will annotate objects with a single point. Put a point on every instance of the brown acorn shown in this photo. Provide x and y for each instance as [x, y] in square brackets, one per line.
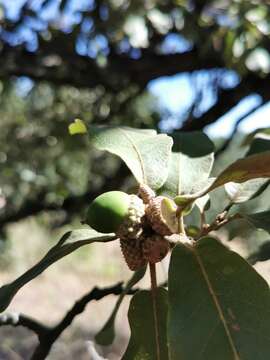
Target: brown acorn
[132, 252]
[155, 248]
[161, 214]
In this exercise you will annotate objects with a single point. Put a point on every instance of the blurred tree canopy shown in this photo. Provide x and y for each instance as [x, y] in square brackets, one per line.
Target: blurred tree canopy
[62, 59]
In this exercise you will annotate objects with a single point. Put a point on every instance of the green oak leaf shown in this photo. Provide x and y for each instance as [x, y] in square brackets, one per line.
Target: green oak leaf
[218, 305]
[260, 220]
[142, 343]
[68, 243]
[190, 164]
[145, 152]
[106, 335]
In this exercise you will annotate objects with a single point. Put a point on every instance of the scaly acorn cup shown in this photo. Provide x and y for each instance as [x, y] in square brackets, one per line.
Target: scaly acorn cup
[162, 215]
[117, 212]
[133, 253]
[155, 248]
[147, 248]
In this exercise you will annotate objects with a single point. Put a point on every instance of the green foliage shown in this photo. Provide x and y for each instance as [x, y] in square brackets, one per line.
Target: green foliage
[144, 152]
[259, 220]
[190, 164]
[142, 344]
[216, 305]
[251, 167]
[68, 243]
[107, 333]
[42, 166]
[238, 193]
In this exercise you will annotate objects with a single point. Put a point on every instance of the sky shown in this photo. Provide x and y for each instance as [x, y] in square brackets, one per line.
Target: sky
[175, 93]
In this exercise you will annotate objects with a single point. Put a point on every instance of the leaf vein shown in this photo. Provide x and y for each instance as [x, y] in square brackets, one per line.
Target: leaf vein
[217, 305]
[138, 155]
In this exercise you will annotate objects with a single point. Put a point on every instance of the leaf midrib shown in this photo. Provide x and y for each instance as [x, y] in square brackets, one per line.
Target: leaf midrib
[216, 303]
[138, 155]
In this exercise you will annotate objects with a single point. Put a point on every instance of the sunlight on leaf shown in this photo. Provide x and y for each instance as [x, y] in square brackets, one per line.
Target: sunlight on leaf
[219, 306]
[190, 165]
[145, 152]
[77, 127]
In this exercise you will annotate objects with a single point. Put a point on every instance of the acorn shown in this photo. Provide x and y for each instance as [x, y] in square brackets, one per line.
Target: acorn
[133, 254]
[155, 248]
[162, 215]
[116, 212]
[147, 248]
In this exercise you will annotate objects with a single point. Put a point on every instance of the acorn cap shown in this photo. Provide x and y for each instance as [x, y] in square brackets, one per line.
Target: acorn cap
[161, 214]
[115, 211]
[132, 252]
[155, 248]
[131, 227]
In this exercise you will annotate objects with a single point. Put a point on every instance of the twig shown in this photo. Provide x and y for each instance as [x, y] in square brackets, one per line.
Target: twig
[181, 225]
[153, 276]
[15, 319]
[202, 219]
[220, 221]
[227, 142]
[48, 335]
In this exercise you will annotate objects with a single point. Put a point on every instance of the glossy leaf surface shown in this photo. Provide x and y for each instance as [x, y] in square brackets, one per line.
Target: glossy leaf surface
[142, 343]
[219, 306]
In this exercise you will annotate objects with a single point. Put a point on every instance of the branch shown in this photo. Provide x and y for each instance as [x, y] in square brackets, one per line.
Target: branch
[228, 98]
[71, 205]
[219, 222]
[227, 143]
[48, 335]
[15, 319]
[152, 66]
[58, 62]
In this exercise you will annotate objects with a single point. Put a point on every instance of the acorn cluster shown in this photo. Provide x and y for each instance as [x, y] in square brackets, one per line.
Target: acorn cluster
[141, 222]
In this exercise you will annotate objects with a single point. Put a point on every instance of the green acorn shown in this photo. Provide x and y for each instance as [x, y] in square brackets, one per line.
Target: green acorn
[116, 212]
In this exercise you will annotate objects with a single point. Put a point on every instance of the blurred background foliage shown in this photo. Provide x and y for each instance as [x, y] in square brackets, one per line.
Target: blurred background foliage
[62, 59]
[96, 60]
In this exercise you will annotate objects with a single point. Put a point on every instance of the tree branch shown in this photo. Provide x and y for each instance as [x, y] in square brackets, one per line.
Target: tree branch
[56, 61]
[48, 335]
[227, 142]
[228, 98]
[15, 319]
[71, 205]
